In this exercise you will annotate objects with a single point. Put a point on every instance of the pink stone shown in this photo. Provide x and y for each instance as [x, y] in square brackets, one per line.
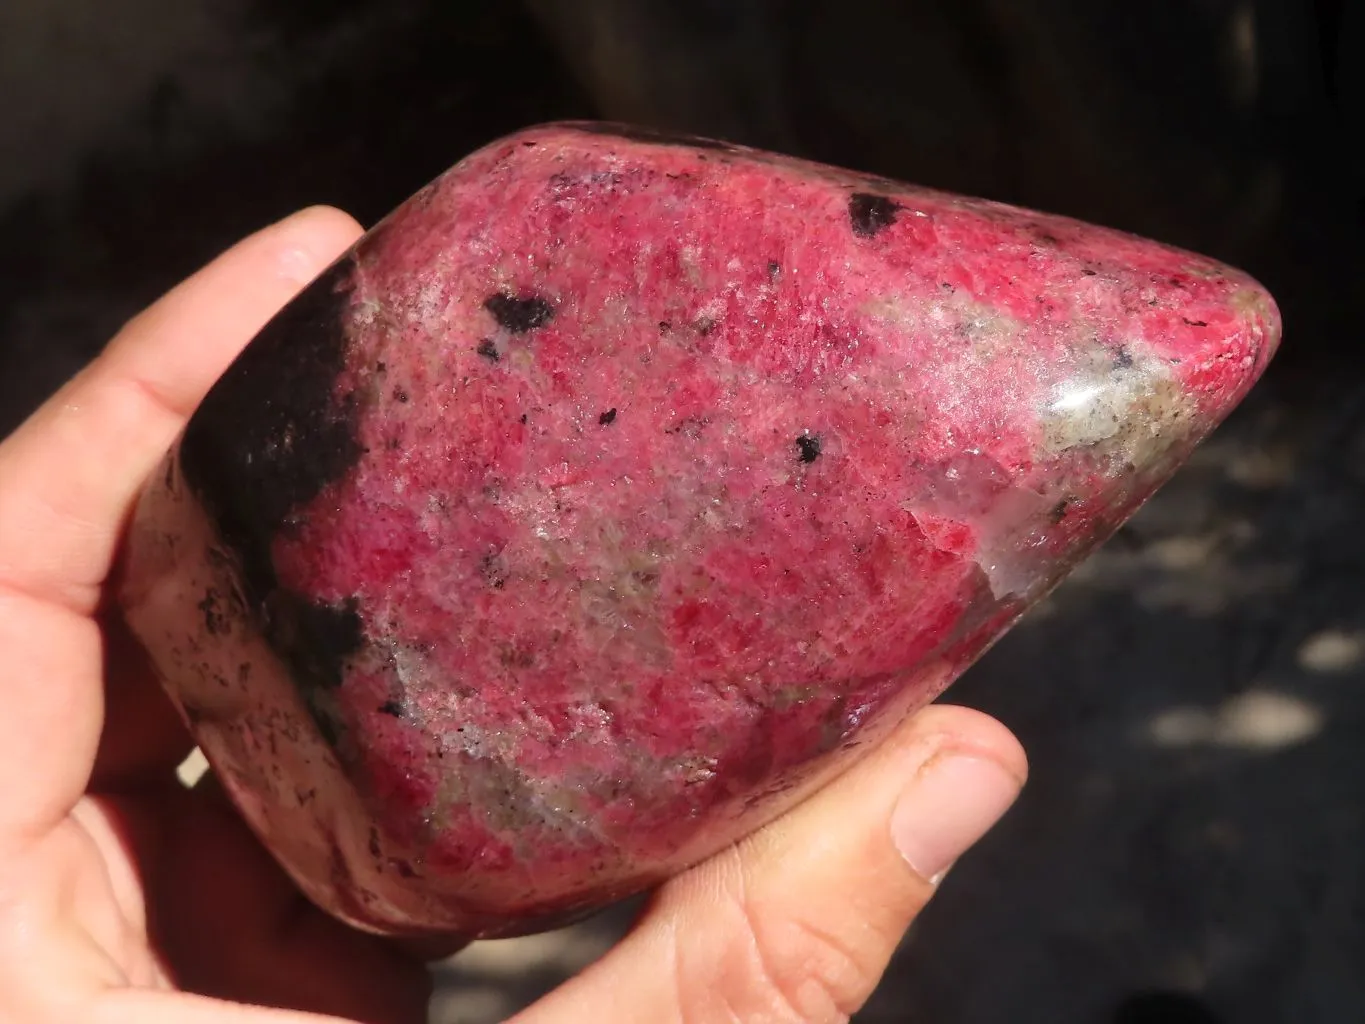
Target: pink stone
[617, 490]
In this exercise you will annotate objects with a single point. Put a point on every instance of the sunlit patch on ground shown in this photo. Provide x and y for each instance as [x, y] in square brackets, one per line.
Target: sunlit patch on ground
[1332, 651]
[1257, 721]
[192, 769]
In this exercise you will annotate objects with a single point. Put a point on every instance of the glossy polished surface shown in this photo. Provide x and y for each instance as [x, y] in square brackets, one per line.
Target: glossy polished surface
[615, 489]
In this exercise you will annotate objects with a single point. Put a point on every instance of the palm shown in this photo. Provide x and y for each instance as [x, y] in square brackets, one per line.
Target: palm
[101, 938]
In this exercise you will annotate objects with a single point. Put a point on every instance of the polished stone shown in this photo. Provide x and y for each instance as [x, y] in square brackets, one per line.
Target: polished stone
[617, 489]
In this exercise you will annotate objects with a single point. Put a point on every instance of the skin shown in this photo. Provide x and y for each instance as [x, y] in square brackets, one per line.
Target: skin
[127, 899]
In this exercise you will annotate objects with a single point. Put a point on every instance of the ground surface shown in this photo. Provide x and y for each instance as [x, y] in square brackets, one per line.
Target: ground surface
[1193, 700]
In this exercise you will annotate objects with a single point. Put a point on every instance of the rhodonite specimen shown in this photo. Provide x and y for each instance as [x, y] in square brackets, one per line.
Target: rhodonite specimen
[617, 489]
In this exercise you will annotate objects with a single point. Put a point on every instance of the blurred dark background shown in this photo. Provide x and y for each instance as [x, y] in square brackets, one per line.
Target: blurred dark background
[1192, 844]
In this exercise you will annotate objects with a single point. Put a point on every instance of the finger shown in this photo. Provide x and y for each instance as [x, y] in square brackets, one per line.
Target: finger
[141, 1006]
[144, 739]
[267, 945]
[59, 674]
[69, 474]
[797, 923]
[53, 703]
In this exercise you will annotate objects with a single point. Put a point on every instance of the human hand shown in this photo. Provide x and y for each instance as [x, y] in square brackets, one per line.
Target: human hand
[127, 899]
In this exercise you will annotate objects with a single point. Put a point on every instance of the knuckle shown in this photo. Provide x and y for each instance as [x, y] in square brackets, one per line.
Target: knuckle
[809, 971]
[774, 964]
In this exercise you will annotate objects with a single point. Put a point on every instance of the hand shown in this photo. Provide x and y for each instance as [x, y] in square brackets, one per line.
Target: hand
[122, 892]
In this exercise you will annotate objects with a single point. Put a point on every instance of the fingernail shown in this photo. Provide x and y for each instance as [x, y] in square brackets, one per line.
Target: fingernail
[952, 802]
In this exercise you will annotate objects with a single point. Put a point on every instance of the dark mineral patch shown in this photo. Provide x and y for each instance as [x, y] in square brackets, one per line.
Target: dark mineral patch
[871, 214]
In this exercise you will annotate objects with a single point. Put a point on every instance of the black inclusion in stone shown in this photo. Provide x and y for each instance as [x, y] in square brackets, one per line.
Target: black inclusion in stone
[267, 439]
[607, 418]
[273, 432]
[317, 638]
[808, 447]
[870, 214]
[519, 314]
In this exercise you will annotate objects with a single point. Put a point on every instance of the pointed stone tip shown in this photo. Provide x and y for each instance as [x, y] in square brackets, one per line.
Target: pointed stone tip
[1228, 348]
[1262, 319]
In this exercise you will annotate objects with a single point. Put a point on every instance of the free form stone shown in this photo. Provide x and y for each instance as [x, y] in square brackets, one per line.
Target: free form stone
[617, 489]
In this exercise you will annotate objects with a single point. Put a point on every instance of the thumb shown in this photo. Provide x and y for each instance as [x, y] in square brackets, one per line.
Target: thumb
[798, 922]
